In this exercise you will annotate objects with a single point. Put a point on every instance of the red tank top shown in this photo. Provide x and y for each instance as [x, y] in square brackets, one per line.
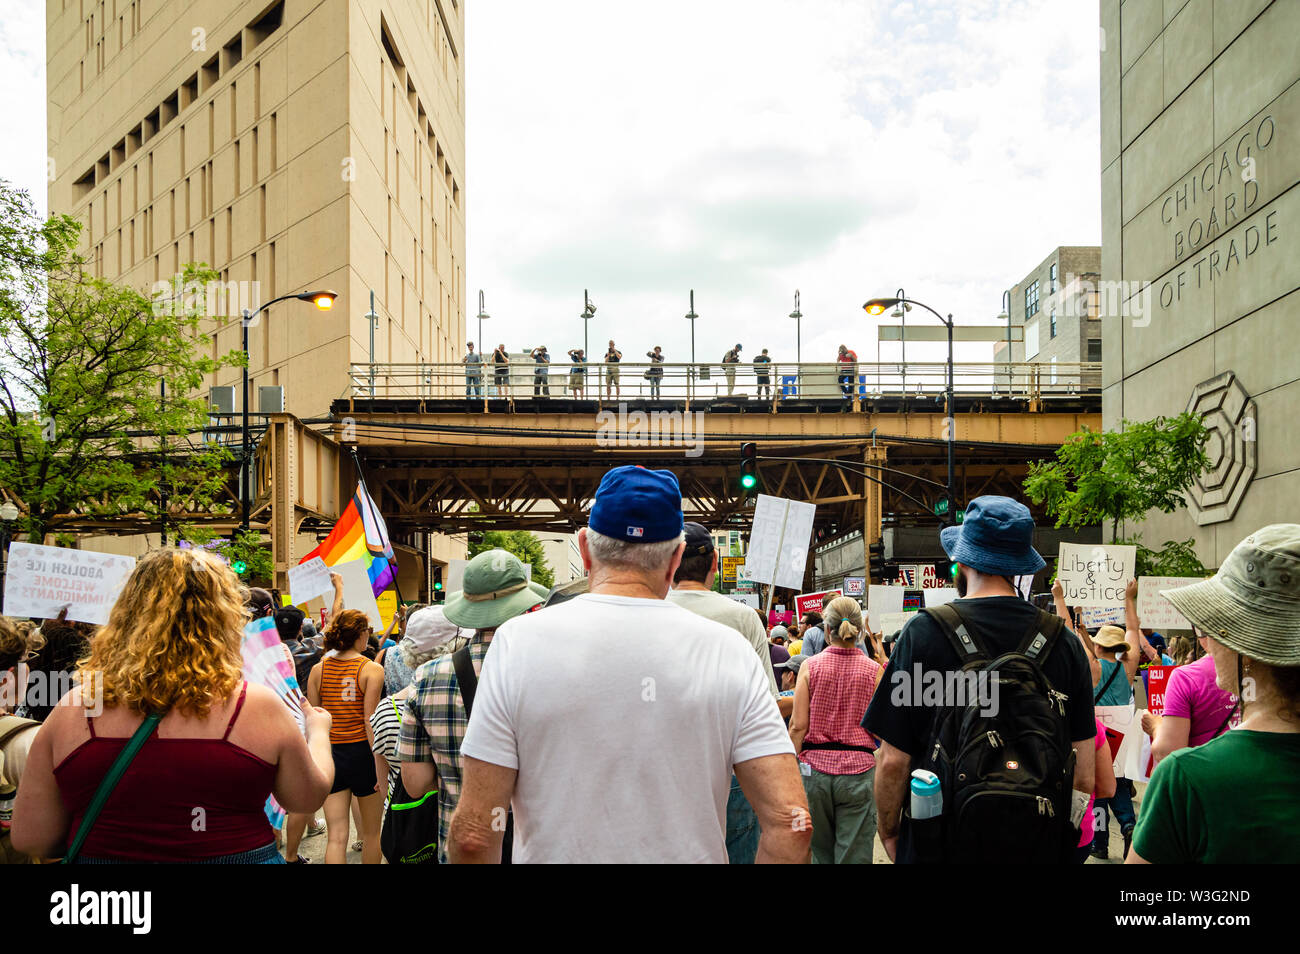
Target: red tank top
[180, 799]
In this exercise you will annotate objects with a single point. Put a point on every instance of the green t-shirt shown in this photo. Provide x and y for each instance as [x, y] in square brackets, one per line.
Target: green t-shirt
[1231, 800]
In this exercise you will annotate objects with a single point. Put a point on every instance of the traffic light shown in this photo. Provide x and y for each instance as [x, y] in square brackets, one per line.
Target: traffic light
[438, 594]
[748, 467]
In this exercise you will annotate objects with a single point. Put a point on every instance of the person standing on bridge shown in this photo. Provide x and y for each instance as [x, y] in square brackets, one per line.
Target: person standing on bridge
[473, 362]
[612, 357]
[577, 373]
[501, 367]
[847, 360]
[541, 373]
[729, 362]
[655, 373]
[613, 722]
[762, 373]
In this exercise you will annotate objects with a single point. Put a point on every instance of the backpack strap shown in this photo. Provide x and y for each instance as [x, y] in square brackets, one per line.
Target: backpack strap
[1041, 637]
[109, 782]
[966, 644]
[466, 680]
[1113, 673]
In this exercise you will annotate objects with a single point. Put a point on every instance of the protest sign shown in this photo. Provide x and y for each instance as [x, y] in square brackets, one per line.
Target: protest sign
[778, 541]
[882, 600]
[1156, 612]
[1124, 733]
[806, 603]
[40, 581]
[939, 596]
[909, 574]
[1095, 575]
[891, 623]
[1097, 616]
[309, 580]
[781, 617]
[358, 593]
[749, 599]
[1157, 680]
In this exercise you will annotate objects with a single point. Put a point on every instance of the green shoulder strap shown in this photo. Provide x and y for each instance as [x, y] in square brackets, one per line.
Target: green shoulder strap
[109, 783]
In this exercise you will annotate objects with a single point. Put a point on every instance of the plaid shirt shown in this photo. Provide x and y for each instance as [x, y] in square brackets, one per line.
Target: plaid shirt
[433, 727]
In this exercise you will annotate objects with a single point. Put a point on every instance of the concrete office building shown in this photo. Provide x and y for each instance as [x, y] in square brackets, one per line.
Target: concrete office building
[1200, 158]
[1056, 306]
[291, 145]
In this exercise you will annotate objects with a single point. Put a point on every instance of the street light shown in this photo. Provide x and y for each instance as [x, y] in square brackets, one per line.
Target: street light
[797, 315]
[588, 312]
[877, 306]
[691, 316]
[322, 299]
[482, 315]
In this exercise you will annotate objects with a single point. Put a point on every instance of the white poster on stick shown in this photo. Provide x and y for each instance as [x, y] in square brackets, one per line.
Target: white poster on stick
[1156, 612]
[40, 581]
[778, 541]
[1095, 575]
[358, 594]
[309, 580]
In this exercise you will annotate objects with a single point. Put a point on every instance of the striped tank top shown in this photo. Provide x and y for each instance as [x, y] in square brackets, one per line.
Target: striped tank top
[341, 695]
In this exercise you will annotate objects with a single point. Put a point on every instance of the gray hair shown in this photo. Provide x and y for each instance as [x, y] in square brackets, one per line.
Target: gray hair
[610, 551]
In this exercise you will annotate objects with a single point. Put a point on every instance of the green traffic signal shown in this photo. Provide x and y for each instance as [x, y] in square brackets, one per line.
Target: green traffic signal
[239, 566]
[437, 585]
[748, 481]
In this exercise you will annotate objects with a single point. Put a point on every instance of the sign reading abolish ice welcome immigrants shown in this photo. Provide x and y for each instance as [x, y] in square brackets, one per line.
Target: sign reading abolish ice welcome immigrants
[41, 580]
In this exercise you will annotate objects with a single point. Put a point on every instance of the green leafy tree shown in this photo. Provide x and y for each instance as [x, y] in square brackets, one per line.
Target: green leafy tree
[523, 544]
[247, 548]
[99, 383]
[1176, 558]
[1109, 476]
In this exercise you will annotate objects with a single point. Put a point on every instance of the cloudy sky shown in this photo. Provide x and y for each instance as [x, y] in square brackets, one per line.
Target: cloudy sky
[742, 148]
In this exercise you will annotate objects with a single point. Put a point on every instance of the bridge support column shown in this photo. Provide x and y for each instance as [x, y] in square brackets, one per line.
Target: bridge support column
[284, 495]
[872, 497]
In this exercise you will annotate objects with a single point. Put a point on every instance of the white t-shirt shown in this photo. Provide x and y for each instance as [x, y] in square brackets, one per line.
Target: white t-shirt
[734, 615]
[623, 718]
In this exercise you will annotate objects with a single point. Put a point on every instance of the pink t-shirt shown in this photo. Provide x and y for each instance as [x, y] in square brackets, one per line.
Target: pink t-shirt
[1192, 694]
[1085, 828]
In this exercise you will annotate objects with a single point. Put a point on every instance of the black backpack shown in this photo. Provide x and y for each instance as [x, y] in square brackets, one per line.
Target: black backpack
[1007, 775]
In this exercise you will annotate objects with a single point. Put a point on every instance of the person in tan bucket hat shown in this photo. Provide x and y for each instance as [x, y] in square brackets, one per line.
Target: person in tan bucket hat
[1233, 799]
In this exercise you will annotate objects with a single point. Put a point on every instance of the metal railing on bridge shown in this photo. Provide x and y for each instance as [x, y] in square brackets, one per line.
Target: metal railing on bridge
[523, 379]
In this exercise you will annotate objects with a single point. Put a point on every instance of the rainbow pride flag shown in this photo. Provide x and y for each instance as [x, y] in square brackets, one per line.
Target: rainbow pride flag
[360, 534]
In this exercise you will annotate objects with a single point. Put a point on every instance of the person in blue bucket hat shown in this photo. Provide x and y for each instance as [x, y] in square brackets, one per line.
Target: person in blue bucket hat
[992, 546]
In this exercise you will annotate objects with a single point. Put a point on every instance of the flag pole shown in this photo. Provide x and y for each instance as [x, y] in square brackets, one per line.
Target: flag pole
[361, 479]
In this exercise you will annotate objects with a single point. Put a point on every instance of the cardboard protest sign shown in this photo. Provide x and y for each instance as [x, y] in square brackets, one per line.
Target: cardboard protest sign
[1095, 575]
[892, 623]
[40, 581]
[1097, 616]
[806, 603]
[1156, 612]
[309, 580]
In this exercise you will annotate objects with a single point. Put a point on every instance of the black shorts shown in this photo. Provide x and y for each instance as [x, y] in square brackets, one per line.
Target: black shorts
[354, 769]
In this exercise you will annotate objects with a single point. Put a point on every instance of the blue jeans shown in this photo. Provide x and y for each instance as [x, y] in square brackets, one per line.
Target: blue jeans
[1121, 804]
[742, 827]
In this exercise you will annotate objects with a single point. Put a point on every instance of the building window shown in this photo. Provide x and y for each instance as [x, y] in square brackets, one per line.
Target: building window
[1031, 301]
[1094, 350]
[1031, 340]
[1051, 322]
[1053, 279]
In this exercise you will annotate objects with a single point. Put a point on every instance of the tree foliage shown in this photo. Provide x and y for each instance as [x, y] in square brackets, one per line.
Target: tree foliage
[523, 544]
[246, 546]
[84, 424]
[1109, 476]
[1176, 558]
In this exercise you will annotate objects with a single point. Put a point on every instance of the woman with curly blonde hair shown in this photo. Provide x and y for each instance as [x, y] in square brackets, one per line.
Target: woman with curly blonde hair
[195, 791]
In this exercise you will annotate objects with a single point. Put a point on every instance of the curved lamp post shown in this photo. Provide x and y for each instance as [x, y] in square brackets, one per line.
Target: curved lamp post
[878, 306]
[322, 299]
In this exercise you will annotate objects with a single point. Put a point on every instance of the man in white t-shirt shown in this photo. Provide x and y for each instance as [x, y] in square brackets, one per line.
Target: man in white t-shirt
[613, 722]
[693, 590]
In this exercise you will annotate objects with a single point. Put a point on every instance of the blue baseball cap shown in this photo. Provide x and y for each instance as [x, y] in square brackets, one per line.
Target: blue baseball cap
[996, 537]
[637, 505]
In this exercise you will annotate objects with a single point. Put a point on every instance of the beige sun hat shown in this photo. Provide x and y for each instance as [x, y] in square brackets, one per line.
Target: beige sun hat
[1112, 637]
[1252, 605]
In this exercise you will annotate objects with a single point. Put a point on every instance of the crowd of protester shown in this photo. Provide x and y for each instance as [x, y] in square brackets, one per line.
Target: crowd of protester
[687, 727]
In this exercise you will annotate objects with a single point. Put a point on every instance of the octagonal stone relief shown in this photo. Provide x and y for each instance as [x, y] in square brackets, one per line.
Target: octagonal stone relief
[1228, 413]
